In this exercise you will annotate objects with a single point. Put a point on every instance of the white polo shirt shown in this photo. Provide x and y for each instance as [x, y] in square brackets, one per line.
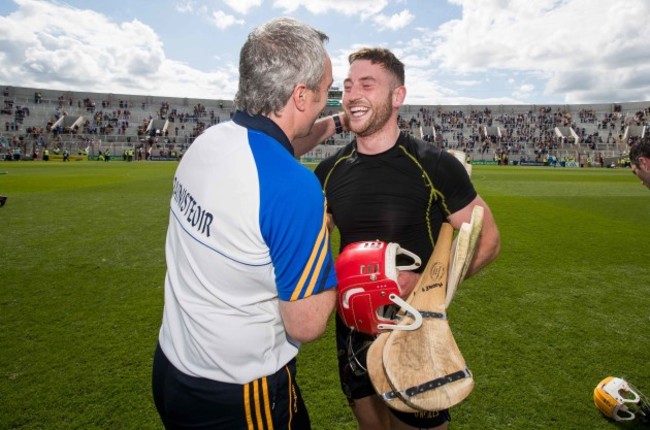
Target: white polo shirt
[247, 228]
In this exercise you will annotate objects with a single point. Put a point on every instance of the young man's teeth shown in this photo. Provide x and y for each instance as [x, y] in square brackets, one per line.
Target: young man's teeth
[358, 111]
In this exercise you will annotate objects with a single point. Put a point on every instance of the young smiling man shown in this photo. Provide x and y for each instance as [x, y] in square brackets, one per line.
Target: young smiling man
[387, 185]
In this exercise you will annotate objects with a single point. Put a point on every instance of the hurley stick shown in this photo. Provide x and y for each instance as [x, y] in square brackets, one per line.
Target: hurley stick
[375, 365]
[424, 366]
[463, 250]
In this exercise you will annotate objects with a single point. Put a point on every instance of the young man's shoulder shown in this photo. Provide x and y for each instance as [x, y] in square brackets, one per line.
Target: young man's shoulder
[343, 151]
[330, 161]
[419, 147]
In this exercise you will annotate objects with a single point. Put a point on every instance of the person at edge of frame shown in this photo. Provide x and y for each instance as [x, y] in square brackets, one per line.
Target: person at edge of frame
[640, 160]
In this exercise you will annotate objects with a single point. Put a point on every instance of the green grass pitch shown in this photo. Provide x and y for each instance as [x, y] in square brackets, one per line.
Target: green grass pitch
[82, 267]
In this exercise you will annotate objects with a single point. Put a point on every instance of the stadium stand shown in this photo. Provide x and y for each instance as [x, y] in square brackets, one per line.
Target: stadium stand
[34, 119]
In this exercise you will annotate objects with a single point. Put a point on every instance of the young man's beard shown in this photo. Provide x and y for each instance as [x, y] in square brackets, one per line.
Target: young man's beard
[381, 115]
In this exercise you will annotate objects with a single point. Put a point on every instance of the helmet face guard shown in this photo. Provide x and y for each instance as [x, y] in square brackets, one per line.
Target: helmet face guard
[620, 401]
[368, 288]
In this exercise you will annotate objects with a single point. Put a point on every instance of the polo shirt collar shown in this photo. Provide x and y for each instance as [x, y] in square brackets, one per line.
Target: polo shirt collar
[264, 125]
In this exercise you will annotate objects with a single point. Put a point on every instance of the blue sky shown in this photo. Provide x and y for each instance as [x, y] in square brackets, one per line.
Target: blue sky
[455, 51]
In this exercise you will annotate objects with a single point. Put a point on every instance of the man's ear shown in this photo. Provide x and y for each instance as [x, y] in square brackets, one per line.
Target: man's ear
[399, 94]
[299, 96]
[644, 163]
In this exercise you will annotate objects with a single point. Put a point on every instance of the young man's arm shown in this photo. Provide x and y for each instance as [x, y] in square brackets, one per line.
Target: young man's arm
[489, 244]
[488, 247]
[323, 129]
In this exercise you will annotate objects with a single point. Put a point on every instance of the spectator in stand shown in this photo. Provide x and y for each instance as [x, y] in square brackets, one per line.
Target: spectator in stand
[640, 160]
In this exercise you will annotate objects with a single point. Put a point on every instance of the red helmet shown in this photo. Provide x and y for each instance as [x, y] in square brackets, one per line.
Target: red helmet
[367, 274]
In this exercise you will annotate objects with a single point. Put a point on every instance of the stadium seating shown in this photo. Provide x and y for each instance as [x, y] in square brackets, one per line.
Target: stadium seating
[32, 119]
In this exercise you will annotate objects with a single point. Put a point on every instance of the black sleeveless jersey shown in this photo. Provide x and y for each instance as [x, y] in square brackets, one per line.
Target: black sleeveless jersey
[402, 195]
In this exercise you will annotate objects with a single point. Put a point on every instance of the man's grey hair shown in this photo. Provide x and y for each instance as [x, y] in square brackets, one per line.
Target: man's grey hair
[274, 59]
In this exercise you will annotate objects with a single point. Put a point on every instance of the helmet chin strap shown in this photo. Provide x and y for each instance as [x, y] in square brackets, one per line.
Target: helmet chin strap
[408, 308]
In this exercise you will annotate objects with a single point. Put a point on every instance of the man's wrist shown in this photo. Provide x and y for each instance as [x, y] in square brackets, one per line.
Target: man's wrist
[337, 124]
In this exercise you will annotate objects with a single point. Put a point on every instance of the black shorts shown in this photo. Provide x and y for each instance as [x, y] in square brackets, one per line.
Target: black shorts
[352, 347]
[185, 402]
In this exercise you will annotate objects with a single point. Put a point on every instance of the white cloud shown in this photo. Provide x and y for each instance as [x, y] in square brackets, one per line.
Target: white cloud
[361, 8]
[185, 6]
[394, 22]
[564, 51]
[523, 91]
[467, 82]
[38, 44]
[576, 43]
[53, 47]
[222, 20]
[243, 6]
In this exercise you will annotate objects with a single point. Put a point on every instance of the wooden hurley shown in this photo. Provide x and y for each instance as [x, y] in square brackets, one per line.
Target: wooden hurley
[424, 367]
[463, 249]
[375, 365]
